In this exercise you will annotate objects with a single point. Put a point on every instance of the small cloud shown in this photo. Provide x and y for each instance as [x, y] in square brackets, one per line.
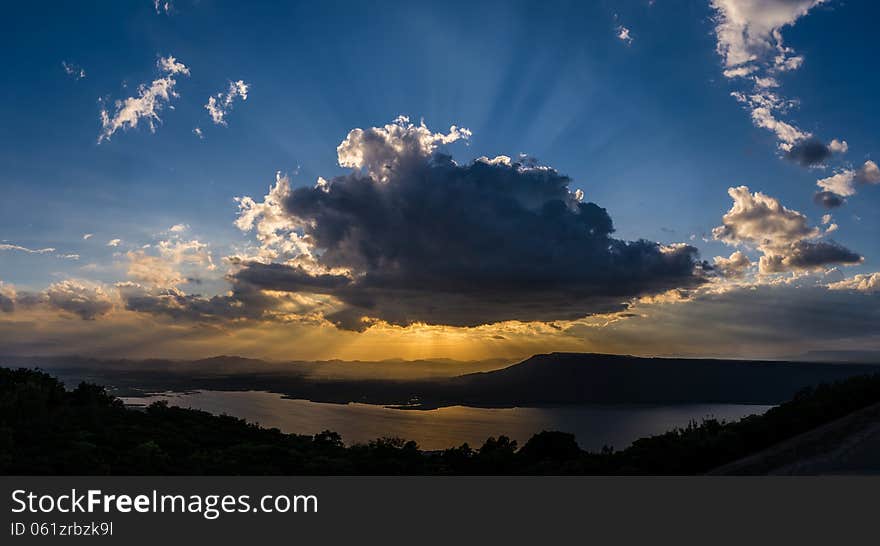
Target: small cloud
[147, 104]
[163, 7]
[178, 228]
[198, 132]
[73, 70]
[623, 34]
[114, 242]
[812, 152]
[88, 236]
[18, 248]
[828, 200]
[869, 173]
[220, 104]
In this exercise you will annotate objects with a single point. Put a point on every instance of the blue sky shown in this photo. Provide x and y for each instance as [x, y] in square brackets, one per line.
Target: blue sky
[647, 129]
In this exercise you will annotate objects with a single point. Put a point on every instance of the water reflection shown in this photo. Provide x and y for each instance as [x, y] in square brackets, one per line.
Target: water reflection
[594, 426]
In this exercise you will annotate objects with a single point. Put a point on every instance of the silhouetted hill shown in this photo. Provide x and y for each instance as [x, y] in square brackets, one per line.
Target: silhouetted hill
[571, 378]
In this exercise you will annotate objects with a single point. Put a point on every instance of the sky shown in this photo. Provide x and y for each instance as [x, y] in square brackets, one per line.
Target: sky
[486, 179]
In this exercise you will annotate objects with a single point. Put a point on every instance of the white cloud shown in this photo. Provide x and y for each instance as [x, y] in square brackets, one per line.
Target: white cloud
[869, 173]
[18, 248]
[163, 7]
[783, 236]
[198, 132]
[378, 150]
[761, 220]
[220, 105]
[83, 298]
[114, 242]
[869, 282]
[739, 71]
[50, 250]
[169, 263]
[844, 182]
[838, 146]
[749, 31]
[87, 236]
[749, 41]
[147, 104]
[178, 228]
[275, 229]
[73, 70]
[623, 34]
[733, 267]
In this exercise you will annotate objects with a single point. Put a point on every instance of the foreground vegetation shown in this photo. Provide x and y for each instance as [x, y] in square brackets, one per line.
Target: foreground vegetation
[45, 429]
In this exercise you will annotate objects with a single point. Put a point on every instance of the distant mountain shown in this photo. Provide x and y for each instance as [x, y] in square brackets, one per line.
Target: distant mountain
[547, 379]
[571, 378]
[861, 357]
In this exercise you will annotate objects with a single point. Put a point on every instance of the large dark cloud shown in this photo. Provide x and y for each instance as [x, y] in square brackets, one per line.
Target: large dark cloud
[436, 242]
[828, 200]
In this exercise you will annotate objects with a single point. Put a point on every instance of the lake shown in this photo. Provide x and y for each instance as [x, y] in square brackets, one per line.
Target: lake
[594, 426]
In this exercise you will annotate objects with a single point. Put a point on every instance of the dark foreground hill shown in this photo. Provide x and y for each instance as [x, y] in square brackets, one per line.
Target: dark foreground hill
[45, 429]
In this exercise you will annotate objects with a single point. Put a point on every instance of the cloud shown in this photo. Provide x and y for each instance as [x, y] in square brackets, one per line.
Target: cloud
[18, 248]
[152, 270]
[114, 242]
[868, 173]
[7, 298]
[749, 41]
[760, 219]
[220, 105]
[198, 132]
[163, 7]
[808, 256]
[82, 298]
[275, 229]
[623, 35]
[735, 266]
[87, 236]
[242, 303]
[178, 228]
[74, 71]
[411, 236]
[782, 235]
[843, 183]
[165, 269]
[147, 104]
[749, 31]
[828, 200]
[380, 151]
[869, 282]
[779, 321]
[812, 152]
